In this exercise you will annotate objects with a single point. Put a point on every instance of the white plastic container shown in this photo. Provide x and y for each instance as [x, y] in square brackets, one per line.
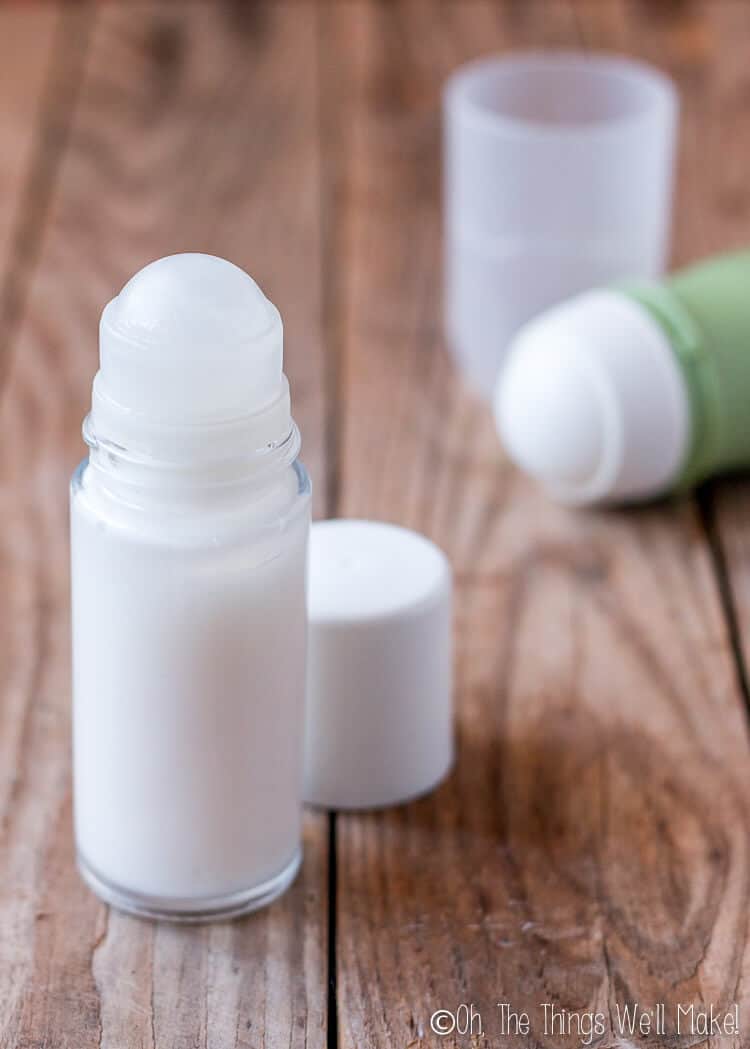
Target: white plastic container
[189, 527]
[558, 178]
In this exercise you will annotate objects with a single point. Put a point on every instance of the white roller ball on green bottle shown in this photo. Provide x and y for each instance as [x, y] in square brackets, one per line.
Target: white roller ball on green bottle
[631, 392]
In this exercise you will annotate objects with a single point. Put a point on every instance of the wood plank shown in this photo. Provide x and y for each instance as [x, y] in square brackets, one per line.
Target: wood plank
[722, 200]
[27, 40]
[37, 83]
[40, 69]
[189, 134]
[591, 848]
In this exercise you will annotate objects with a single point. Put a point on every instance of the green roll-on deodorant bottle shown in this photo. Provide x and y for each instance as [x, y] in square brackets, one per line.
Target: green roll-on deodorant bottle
[629, 392]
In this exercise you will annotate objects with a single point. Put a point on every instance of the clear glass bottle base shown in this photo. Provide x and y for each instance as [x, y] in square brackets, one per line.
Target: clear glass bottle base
[206, 909]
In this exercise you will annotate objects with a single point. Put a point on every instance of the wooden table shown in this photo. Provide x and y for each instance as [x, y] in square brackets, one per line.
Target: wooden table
[592, 847]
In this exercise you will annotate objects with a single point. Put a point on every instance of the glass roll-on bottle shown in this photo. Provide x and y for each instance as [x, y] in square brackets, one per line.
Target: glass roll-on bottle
[189, 527]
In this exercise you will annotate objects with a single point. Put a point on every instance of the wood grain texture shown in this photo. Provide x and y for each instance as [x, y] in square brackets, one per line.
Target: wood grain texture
[39, 66]
[718, 189]
[188, 134]
[27, 51]
[591, 848]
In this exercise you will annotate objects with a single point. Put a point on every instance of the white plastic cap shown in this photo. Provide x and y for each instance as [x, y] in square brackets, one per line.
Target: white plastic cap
[558, 178]
[379, 687]
[592, 401]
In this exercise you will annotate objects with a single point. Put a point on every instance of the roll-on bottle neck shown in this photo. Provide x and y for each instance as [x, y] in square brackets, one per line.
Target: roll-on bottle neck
[190, 377]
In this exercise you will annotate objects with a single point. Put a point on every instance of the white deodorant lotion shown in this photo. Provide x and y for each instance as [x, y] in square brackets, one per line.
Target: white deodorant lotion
[189, 528]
